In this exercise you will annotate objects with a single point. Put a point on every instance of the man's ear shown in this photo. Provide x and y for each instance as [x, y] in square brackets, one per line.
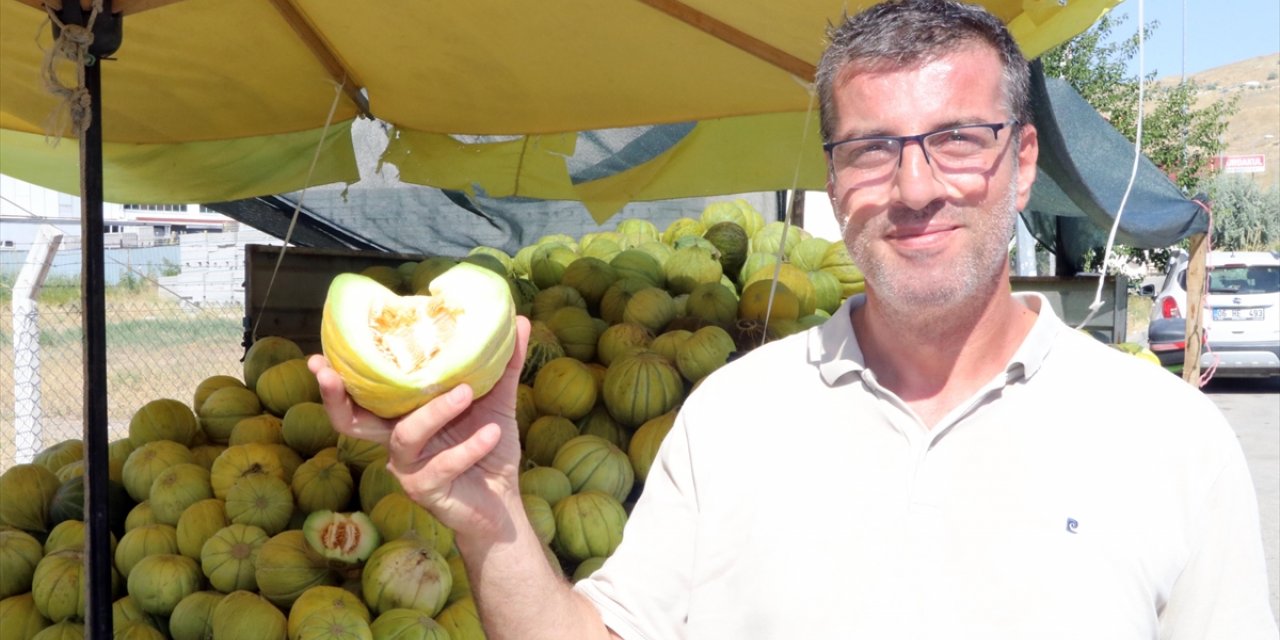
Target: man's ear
[1028, 153]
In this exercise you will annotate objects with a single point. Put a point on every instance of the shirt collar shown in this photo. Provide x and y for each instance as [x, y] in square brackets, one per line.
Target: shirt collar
[834, 349]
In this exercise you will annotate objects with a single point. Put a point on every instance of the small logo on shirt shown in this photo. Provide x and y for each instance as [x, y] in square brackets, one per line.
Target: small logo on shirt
[1072, 525]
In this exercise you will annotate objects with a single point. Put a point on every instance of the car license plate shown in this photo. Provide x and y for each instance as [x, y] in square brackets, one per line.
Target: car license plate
[1252, 313]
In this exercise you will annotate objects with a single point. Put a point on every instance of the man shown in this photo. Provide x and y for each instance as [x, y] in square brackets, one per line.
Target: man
[942, 459]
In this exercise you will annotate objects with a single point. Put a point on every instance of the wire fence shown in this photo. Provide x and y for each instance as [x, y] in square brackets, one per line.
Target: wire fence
[155, 349]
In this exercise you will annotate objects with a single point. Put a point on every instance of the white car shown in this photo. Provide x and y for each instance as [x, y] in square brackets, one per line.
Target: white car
[1241, 315]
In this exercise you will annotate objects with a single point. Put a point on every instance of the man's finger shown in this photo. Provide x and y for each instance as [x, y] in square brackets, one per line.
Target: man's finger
[345, 416]
[412, 434]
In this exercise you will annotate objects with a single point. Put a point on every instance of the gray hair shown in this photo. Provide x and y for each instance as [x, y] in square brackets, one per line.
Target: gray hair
[900, 33]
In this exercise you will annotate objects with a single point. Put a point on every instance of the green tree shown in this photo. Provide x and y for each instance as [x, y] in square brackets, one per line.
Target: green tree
[1176, 136]
[1244, 216]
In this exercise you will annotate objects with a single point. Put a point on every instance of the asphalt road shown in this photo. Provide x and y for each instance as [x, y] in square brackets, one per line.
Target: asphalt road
[1252, 406]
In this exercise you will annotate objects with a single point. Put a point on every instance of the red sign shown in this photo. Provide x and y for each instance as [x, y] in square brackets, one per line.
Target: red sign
[1253, 163]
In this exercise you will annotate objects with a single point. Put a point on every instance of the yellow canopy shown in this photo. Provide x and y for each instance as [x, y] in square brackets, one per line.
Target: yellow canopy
[223, 99]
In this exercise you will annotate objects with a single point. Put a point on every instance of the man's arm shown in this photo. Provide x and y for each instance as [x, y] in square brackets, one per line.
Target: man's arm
[459, 457]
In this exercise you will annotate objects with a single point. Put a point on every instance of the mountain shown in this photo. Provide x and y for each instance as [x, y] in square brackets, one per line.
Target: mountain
[1255, 127]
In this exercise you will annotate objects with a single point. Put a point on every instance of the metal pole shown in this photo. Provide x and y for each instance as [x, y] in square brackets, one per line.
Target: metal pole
[97, 522]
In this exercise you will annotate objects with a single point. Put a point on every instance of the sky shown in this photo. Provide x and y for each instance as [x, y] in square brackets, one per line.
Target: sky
[1218, 32]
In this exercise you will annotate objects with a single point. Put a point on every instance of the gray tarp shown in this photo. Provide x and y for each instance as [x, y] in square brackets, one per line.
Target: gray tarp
[1084, 168]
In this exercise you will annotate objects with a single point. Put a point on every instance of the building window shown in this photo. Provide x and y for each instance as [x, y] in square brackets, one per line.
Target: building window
[179, 208]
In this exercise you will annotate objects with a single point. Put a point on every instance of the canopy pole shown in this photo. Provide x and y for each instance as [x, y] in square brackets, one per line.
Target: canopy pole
[93, 298]
[1196, 270]
[93, 33]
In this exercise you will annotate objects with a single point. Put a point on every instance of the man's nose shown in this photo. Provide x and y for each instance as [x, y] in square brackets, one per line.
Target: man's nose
[915, 185]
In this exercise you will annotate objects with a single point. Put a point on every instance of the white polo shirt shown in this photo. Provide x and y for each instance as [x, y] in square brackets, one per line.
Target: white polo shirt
[1083, 493]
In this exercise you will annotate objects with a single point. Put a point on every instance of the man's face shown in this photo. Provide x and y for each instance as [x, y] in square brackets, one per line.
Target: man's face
[926, 239]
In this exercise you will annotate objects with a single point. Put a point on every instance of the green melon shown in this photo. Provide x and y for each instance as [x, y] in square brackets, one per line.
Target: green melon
[708, 349]
[27, 490]
[564, 387]
[714, 303]
[594, 464]
[641, 386]
[61, 454]
[645, 442]
[139, 516]
[323, 599]
[58, 585]
[306, 428]
[163, 419]
[265, 353]
[198, 523]
[333, 624]
[590, 277]
[19, 555]
[682, 227]
[576, 332]
[461, 620]
[406, 573]
[651, 308]
[21, 618]
[71, 630]
[808, 253]
[549, 262]
[548, 483]
[225, 407]
[667, 344]
[209, 385]
[543, 347]
[690, 267]
[227, 558]
[125, 611]
[375, 482]
[287, 384]
[242, 461]
[142, 541]
[322, 483]
[600, 423]
[262, 501]
[148, 461]
[546, 436]
[732, 243]
[407, 624]
[538, 511]
[620, 340]
[588, 524]
[244, 614]
[287, 567]
[359, 454]
[397, 516]
[263, 428]
[192, 618]
[177, 488]
[634, 263]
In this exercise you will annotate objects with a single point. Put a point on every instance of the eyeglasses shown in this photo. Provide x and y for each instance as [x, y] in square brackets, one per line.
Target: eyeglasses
[955, 151]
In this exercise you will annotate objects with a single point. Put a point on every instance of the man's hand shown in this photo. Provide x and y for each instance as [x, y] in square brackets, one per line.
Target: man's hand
[456, 457]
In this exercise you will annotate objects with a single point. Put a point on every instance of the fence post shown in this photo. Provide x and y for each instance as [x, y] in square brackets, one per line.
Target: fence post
[27, 431]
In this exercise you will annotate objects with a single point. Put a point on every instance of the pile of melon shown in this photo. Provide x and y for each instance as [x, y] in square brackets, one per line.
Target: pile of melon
[243, 514]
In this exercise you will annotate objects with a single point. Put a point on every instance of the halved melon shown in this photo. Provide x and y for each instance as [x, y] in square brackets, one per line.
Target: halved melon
[395, 353]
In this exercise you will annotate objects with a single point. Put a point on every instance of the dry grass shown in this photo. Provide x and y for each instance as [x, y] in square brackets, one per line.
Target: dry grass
[1259, 108]
[155, 349]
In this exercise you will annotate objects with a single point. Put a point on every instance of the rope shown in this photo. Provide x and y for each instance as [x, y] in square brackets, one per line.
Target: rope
[74, 102]
[1096, 305]
[297, 208]
[786, 225]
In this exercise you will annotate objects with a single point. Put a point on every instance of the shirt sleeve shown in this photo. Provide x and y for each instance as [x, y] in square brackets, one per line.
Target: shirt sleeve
[642, 591]
[1222, 591]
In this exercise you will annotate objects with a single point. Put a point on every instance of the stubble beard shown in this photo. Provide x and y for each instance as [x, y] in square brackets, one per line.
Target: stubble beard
[941, 296]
